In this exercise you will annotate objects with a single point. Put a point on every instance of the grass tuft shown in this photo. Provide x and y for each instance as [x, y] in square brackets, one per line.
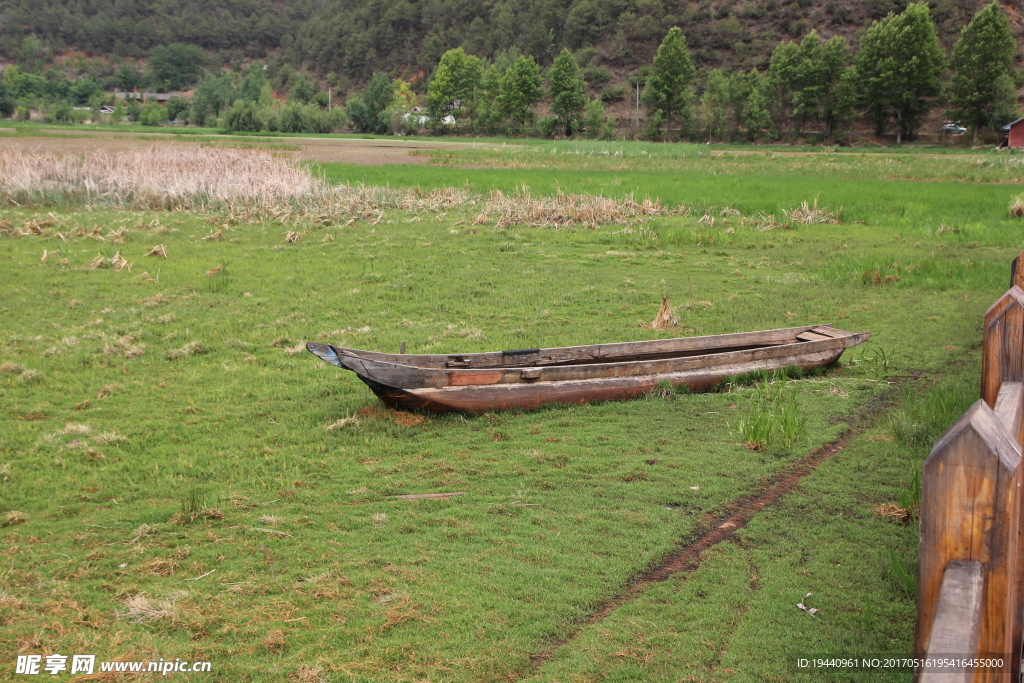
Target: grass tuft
[193, 348]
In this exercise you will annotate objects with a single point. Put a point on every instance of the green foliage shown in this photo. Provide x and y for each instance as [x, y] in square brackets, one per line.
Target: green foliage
[756, 117]
[454, 85]
[213, 95]
[899, 67]
[774, 417]
[613, 93]
[983, 54]
[176, 105]
[152, 115]
[520, 89]
[668, 86]
[303, 90]
[568, 91]
[1004, 102]
[713, 106]
[595, 123]
[176, 66]
[29, 27]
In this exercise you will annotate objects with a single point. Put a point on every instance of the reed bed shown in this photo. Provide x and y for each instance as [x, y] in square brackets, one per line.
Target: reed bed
[255, 185]
[156, 178]
[563, 210]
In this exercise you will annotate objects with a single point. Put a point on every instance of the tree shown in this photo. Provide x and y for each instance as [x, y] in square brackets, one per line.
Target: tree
[211, 96]
[837, 82]
[568, 91]
[668, 87]
[379, 94]
[980, 57]
[1004, 103]
[175, 66]
[712, 104]
[520, 89]
[303, 90]
[757, 119]
[900, 66]
[784, 73]
[454, 85]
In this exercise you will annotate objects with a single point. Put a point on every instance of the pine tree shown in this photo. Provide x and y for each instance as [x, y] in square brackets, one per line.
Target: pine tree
[981, 56]
[668, 88]
[900, 65]
[568, 91]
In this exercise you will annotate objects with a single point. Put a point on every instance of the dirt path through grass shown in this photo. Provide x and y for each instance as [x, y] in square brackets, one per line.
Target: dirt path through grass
[688, 557]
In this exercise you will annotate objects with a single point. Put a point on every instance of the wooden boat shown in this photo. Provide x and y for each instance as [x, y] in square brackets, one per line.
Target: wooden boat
[528, 378]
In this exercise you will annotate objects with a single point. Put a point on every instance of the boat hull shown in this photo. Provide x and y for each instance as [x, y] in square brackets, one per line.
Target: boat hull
[478, 383]
[500, 397]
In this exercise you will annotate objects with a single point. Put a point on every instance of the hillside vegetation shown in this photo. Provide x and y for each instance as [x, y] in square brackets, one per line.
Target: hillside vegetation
[403, 37]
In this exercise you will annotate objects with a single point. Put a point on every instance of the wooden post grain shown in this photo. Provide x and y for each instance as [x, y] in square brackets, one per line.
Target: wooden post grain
[970, 510]
[1017, 271]
[1010, 411]
[1003, 345]
[957, 621]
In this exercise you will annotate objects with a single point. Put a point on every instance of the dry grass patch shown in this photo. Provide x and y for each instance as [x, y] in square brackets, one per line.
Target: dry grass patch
[14, 518]
[124, 347]
[193, 348]
[564, 210]
[309, 674]
[807, 214]
[344, 423]
[141, 609]
[159, 251]
[894, 513]
[665, 318]
[160, 567]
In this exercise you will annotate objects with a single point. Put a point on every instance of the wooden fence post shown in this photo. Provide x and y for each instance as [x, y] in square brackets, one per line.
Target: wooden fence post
[970, 510]
[957, 620]
[1003, 345]
[1017, 271]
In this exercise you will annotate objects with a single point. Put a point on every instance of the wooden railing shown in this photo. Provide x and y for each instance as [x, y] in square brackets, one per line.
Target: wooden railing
[971, 569]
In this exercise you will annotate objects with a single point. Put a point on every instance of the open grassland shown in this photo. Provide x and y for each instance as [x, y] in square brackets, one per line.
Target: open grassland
[178, 478]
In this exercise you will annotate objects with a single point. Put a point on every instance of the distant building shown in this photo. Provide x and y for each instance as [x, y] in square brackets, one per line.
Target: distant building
[1015, 133]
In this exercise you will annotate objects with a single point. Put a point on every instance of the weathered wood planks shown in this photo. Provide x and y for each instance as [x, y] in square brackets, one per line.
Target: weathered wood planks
[957, 621]
[970, 510]
[1003, 344]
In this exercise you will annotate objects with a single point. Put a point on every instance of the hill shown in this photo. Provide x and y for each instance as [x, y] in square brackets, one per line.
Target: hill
[354, 38]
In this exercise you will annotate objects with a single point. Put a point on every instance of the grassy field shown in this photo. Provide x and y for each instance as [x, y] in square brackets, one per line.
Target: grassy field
[179, 479]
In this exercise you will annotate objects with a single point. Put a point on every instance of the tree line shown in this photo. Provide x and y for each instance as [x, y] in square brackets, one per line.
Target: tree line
[894, 80]
[811, 87]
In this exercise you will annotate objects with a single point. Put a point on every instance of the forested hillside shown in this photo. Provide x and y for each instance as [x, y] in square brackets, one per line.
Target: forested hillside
[132, 27]
[354, 38]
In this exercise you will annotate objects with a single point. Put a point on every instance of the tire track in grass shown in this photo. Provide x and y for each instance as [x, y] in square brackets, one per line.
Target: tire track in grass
[687, 558]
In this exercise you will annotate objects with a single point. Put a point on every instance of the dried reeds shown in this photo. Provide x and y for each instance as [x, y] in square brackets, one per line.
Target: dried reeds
[808, 214]
[563, 210]
[665, 319]
[159, 251]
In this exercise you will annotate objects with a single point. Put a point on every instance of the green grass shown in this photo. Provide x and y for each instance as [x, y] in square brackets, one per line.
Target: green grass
[153, 432]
